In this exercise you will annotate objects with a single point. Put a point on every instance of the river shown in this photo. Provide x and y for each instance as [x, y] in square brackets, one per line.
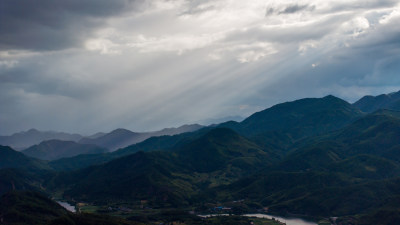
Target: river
[67, 206]
[288, 221]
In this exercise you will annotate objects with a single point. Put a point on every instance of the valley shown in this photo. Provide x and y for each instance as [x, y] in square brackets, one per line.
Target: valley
[321, 159]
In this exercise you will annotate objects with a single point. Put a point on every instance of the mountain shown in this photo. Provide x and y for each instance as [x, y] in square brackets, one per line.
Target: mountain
[213, 121]
[315, 157]
[169, 178]
[332, 112]
[16, 179]
[31, 137]
[300, 118]
[115, 139]
[20, 172]
[96, 135]
[121, 138]
[151, 176]
[354, 170]
[10, 158]
[179, 130]
[221, 147]
[158, 143]
[29, 208]
[385, 101]
[56, 149]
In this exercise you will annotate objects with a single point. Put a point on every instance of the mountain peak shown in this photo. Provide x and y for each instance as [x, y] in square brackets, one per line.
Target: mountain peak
[330, 96]
[121, 130]
[32, 130]
[303, 117]
[371, 103]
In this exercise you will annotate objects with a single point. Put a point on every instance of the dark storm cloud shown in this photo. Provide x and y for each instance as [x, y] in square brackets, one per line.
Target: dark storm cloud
[53, 24]
[289, 9]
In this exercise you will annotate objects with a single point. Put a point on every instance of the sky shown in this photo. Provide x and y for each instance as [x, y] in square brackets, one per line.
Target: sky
[85, 66]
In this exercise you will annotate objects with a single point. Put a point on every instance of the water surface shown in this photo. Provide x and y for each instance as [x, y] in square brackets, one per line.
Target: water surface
[67, 206]
[288, 221]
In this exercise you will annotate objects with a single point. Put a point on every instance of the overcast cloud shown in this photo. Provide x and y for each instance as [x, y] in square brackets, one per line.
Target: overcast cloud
[96, 65]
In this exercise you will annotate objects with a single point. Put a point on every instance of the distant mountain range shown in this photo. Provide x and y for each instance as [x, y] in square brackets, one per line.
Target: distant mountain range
[31, 137]
[56, 149]
[121, 138]
[315, 157]
[114, 140]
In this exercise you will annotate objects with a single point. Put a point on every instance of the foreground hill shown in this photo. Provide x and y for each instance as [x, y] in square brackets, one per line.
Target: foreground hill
[385, 101]
[31, 137]
[31, 208]
[19, 172]
[56, 149]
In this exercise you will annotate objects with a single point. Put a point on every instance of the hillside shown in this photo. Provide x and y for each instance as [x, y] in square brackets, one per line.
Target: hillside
[19, 172]
[161, 143]
[346, 172]
[172, 177]
[385, 101]
[220, 147]
[10, 158]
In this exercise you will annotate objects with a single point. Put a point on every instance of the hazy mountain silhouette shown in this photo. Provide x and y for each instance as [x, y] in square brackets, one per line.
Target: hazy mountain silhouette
[56, 149]
[31, 137]
[121, 138]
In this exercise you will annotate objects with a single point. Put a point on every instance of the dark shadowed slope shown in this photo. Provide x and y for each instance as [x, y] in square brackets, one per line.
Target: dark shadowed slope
[32, 208]
[20, 172]
[221, 147]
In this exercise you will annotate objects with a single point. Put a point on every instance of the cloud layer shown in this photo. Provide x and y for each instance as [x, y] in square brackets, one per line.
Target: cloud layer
[87, 66]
